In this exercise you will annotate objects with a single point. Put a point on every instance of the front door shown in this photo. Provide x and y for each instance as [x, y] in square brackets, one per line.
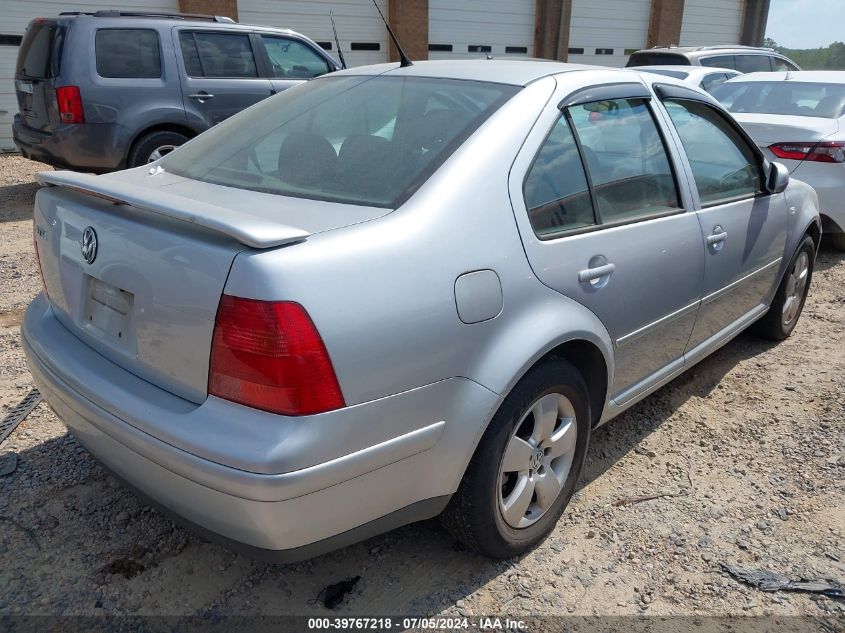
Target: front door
[290, 61]
[219, 75]
[744, 227]
[608, 228]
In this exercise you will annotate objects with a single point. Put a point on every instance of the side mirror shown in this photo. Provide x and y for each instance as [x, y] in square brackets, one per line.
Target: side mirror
[777, 178]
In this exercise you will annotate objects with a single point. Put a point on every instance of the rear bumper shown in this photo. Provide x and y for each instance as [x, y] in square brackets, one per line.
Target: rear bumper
[284, 515]
[90, 147]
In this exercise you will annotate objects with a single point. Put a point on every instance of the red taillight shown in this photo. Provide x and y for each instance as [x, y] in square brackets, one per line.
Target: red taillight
[268, 355]
[824, 152]
[70, 104]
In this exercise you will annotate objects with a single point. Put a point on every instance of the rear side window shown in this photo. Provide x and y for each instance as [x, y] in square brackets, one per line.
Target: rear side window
[223, 55]
[557, 195]
[720, 61]
[657, 59]
[712, 80]
[290, 59]
[128, 53]
[753, 63]
[725, 167]
[626, 159]
[781, 65]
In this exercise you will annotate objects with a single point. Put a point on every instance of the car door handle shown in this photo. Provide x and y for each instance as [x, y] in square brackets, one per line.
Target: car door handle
[591, 274]
[201, 96]
[717, 238]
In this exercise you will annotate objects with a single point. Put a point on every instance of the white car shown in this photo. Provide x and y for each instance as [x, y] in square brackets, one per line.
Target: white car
[798, 119]
[699, 76]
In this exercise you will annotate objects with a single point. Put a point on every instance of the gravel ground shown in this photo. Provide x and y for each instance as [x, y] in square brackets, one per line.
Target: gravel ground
[750, 444]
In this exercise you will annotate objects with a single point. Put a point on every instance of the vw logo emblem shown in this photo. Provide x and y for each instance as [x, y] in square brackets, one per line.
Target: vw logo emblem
[89, 245]
[537, 458]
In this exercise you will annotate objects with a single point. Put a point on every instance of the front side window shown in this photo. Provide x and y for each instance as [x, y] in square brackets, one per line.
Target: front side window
[753, 63]
[221, 55]
[781, 65]
[128, 53]
[720, 61]
[724, 165]
[557, 195]
[290, 59]
[626, 159]
[354, 139]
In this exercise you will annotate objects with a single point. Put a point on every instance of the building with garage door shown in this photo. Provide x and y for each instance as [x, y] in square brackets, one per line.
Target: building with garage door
[600, 32]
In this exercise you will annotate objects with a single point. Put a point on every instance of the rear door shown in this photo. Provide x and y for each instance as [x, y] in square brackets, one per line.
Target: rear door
[37, 65]
[219, 73]
[744, 227]
[604, 223]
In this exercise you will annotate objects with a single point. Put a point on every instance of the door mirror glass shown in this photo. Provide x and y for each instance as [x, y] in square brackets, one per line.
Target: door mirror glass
[778, 178]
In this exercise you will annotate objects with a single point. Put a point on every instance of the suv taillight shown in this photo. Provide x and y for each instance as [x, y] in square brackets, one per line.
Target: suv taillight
[70, 104]
[824, 152]
[268, 355]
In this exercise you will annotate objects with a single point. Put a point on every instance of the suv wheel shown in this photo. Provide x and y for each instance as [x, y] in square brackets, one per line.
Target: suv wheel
[526, 466]
[153, 146]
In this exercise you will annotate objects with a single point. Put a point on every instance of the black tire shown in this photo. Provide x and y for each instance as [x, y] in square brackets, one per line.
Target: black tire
[838, 241]
[474, 515]
[147, 144]
[773, 325]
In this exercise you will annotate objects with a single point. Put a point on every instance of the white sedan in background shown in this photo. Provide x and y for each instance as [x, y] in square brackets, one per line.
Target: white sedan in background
[699, 76]
[798, 119]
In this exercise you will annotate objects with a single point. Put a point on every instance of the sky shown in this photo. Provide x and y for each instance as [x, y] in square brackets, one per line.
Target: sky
[806, 23]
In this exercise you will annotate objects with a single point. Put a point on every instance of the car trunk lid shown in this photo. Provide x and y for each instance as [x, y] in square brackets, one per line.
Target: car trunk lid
[37, 65]
[147, 297]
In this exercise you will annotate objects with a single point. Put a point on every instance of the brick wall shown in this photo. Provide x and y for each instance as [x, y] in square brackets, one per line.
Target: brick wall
[229, 8]
[409, 20]
[664, 26]
[551, 30]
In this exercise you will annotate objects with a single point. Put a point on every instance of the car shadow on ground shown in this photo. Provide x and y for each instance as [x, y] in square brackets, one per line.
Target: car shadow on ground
[16, 201]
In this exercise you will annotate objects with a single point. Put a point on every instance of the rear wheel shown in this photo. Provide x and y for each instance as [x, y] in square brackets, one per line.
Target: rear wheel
[789, 299]
[153, 146]
[838, 241]
[526, 466]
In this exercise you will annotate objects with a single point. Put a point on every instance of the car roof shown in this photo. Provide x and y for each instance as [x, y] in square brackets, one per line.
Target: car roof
[109, 17]
[694, 50]
[688, 70]
[810, 76]
[517, 72]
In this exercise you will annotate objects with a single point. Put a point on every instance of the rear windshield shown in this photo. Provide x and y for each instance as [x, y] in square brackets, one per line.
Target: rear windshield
[39, 52]
[358, 140]
[657, 59]
[783, 97]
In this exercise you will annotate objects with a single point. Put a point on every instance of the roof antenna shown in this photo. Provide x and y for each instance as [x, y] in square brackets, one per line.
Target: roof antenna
[337, 41]
[403, 58]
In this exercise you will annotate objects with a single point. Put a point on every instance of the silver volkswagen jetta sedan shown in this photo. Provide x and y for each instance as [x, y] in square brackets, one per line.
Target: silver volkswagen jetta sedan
[393, 293]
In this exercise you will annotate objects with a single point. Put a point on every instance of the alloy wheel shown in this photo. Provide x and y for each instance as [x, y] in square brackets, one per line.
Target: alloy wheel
[796, 284]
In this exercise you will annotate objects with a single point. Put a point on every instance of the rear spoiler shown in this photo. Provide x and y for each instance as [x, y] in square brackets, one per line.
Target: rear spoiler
[247, 229]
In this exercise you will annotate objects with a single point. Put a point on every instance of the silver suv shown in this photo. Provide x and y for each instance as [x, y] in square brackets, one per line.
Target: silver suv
[397, 290]
[745, 59]
[114, 89]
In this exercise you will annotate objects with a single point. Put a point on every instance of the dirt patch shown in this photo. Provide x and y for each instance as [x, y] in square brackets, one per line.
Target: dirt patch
[739, 461]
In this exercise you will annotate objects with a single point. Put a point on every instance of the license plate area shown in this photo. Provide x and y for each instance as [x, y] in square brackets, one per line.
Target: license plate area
[107, 313]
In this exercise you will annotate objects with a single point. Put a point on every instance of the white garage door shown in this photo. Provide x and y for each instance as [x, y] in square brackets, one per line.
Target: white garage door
[474, 28]
[601, 31]
[18, 13]
[711, 22]
[363, 36]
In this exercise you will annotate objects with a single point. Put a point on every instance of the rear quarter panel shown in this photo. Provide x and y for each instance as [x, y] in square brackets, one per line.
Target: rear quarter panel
[381, 293]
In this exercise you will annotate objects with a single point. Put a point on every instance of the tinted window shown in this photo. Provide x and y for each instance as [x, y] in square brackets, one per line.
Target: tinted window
[556, 191]
[677, 74]
[290, 59]
[128, 53]
[724, 165]
[753, 63]
[657, 59]
[783, 97]
[781, 65]
[721, 61]
[626, 159]
[712, 80]
[36, 50]
[355, 139]
[227, 55]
